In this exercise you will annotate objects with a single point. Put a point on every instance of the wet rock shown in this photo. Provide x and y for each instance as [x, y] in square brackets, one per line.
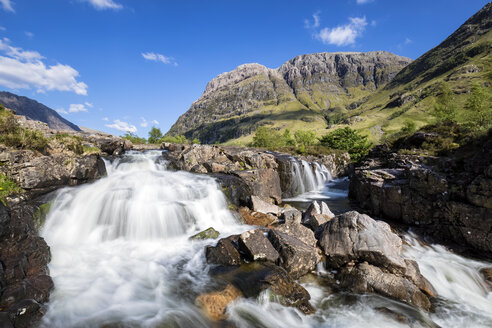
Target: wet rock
[256, 218]
[4, 219]
[26, 313]
[236, 190]
[366, 278]
[37, 288]
[259, 205]
[487, 274]
[256, 246]
[225, 252]
[298, 231]
[5, 321]
[253, 278]
[413, 273]
[209, 233]
[215, 304]
[296, 257]
[264, 183]
[357, 237]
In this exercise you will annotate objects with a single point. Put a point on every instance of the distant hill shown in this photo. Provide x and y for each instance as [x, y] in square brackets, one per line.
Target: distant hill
[463, 58]
[300, 94]
[36, 111]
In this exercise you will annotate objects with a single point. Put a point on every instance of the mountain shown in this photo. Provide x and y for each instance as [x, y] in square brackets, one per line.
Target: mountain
[300, 94]
[36, 111]
[459, 61]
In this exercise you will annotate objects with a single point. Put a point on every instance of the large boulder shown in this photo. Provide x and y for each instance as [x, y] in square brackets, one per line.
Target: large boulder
[259, 205]
[256, 218]
[296, 257]
[316, 215]
[264, 183]
[298, 231]
[367, 257]
[354, 236]
[214, 304]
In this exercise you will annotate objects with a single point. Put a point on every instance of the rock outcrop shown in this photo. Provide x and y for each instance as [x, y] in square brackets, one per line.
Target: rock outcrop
[445, 198]
[232, 103]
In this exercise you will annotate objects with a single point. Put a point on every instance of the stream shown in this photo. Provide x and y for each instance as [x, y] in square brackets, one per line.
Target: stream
[121, 257]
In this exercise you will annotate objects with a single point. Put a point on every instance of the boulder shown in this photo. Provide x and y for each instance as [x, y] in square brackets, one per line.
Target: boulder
[259, 205]
[256, 218]
[214, 305]
[291, 215]
[4, 218]
[264, 183]
[225, 252]
[238, 193]
[357, 237]
[367, 278]
[256, 246]
[296, 257]
[316, 215]
[298, 231]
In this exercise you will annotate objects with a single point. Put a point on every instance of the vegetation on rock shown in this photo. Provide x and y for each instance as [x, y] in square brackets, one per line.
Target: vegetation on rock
[8, 187]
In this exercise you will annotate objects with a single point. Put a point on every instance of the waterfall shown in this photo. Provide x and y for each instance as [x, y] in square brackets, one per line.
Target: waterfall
[307, 177]
[120, 248]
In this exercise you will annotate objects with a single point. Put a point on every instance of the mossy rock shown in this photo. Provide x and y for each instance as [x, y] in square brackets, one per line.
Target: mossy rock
[209, 233]
[39, 217]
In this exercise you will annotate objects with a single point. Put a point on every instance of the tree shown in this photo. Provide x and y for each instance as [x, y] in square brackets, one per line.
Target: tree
[305, 138]
[347, 139]
[155, 135]
[479, 109]
[445, 108]
[134, 138]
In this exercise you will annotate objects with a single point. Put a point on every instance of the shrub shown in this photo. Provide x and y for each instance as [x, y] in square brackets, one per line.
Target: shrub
[347, 139]
[8, 187]
[269, 138]
[445, 108]
[478, 107]
[179, 139]
[155, 135]
[13, 135]
[305, 138]
[134, 138]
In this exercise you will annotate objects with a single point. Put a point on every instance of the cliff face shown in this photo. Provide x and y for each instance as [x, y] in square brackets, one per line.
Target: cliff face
[236, 102]
[36, 111]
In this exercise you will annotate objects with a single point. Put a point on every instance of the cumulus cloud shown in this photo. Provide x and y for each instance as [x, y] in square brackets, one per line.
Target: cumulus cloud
[104, 4]
[343, 35]
[122, 126]
[152, 56]
[61, 111]
[7, 5]
[22, 69]
[77, 108]
[315, 21]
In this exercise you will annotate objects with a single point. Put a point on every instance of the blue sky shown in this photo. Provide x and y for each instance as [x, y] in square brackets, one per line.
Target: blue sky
[116, 65]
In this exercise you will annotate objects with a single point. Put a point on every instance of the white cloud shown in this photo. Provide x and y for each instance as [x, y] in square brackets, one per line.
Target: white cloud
[7, 5]
[30, 35]
[3, 28]
[77, 108]
[361, 2]
[343, 35]
[104, 4]
[159, 58]
[122, 126]
[145, 123]
[88, 104]
[105, 119]
[315, 23]
[22, 69]
[61, 111]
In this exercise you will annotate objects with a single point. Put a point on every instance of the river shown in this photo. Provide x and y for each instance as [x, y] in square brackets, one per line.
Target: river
[121, 257]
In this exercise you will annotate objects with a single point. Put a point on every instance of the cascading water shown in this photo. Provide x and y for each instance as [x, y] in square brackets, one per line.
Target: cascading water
[121, 257]
[308, 177]
[120, 248]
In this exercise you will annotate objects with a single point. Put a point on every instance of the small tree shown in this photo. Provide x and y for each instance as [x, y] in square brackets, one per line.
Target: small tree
[305, 138]
[134, 138]
[479, 110]
[155, 135]
[347, 139]
[445, 108]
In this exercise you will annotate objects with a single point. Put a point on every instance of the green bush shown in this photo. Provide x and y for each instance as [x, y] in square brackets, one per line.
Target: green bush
[270, 138]
[72, 143]
[179, 139]
[347, 139]
[478, 107]
[13, 135]
[8, 187]
[445, 108]
[155, 135]
[136, 140]
[305, 138]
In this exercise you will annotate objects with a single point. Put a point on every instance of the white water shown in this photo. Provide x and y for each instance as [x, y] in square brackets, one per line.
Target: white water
[120, 248]
[309, 178]
[121, 257]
